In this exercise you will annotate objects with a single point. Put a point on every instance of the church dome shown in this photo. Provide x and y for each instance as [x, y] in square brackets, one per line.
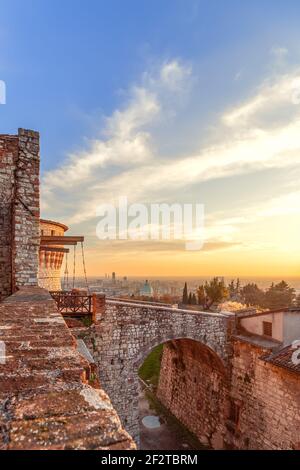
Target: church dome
[146, 290]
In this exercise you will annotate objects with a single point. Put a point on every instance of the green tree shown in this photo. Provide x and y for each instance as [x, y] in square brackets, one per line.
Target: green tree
[201, 296]
[190, 299]
[231, 289]
[234, 288]
[279, 295]
[194, 299]
[185, 297]
[252, 295]
[216, 292]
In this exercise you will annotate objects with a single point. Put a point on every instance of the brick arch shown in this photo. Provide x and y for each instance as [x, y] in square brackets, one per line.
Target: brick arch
[211, 369]
[144, 352]
[127, 332]
[194, 386]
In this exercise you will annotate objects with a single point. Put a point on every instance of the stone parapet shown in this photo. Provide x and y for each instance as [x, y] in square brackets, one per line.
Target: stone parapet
[46, 395]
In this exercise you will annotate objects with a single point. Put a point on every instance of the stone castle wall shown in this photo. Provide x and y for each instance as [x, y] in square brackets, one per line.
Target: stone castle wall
[19, 210]
[50, 279]
[258, 409]
[268, 398]
[9, 148]
[126, 333]
[193, 386]
[216, 384]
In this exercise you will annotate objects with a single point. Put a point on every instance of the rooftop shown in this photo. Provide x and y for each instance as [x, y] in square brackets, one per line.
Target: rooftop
[286, 358]
[260, 341]
[246, 314]
[52, 222]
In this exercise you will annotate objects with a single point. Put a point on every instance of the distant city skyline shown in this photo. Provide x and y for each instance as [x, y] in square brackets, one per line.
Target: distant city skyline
[175, 102]
[261, 281]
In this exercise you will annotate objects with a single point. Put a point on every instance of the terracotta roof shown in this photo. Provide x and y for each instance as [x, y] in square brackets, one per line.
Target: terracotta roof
[258, 340]
[286, 358]
[243, 315]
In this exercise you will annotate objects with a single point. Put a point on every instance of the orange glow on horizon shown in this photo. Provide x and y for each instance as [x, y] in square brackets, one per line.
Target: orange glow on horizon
[227, 263]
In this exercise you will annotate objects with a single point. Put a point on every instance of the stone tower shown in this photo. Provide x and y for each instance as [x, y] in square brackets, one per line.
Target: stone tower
[19, 210]
[51, 255]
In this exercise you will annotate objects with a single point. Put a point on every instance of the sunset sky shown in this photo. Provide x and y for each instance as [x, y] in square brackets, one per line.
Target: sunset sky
[164, 101]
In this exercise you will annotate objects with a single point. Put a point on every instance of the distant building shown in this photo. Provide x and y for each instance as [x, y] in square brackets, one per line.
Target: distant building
[146, 290]
[281, 325]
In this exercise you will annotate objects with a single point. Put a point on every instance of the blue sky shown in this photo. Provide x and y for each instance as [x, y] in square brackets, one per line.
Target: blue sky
[121, 88]
[65, 62]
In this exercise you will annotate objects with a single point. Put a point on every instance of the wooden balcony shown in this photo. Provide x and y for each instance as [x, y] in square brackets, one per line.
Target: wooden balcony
[69, 303]
[79, 305]
[60, 240]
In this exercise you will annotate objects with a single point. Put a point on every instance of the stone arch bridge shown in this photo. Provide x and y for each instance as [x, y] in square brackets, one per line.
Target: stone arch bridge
[127, 332]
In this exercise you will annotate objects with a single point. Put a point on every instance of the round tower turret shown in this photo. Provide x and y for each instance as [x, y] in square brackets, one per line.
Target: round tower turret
[51, 255]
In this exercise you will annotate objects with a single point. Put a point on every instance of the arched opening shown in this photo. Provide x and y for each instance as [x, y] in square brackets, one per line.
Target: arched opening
[183, 396]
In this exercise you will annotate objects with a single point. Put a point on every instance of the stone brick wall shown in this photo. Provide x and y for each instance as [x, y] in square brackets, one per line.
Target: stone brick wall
[269, 402]
[9, 148]
[254, 405]
[50, 263]
[49, 277]
[193, 386]
[126, 333]
[19, 210]
[46, 398]
[214, 383]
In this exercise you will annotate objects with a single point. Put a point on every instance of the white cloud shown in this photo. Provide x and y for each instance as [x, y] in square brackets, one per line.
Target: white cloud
[174, 75]
[285, 204]
[261, 133]
[141, 110]
[127, 141]
[126, 144]
[232, 229]
[272, 97]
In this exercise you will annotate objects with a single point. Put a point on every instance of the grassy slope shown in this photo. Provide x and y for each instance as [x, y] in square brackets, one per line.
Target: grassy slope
[150, 369]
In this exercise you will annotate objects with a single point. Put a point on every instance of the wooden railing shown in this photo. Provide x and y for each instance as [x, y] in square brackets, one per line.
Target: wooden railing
[73, 304]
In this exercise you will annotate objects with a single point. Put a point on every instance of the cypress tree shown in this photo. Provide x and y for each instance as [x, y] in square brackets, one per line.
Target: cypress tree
[185, 294]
